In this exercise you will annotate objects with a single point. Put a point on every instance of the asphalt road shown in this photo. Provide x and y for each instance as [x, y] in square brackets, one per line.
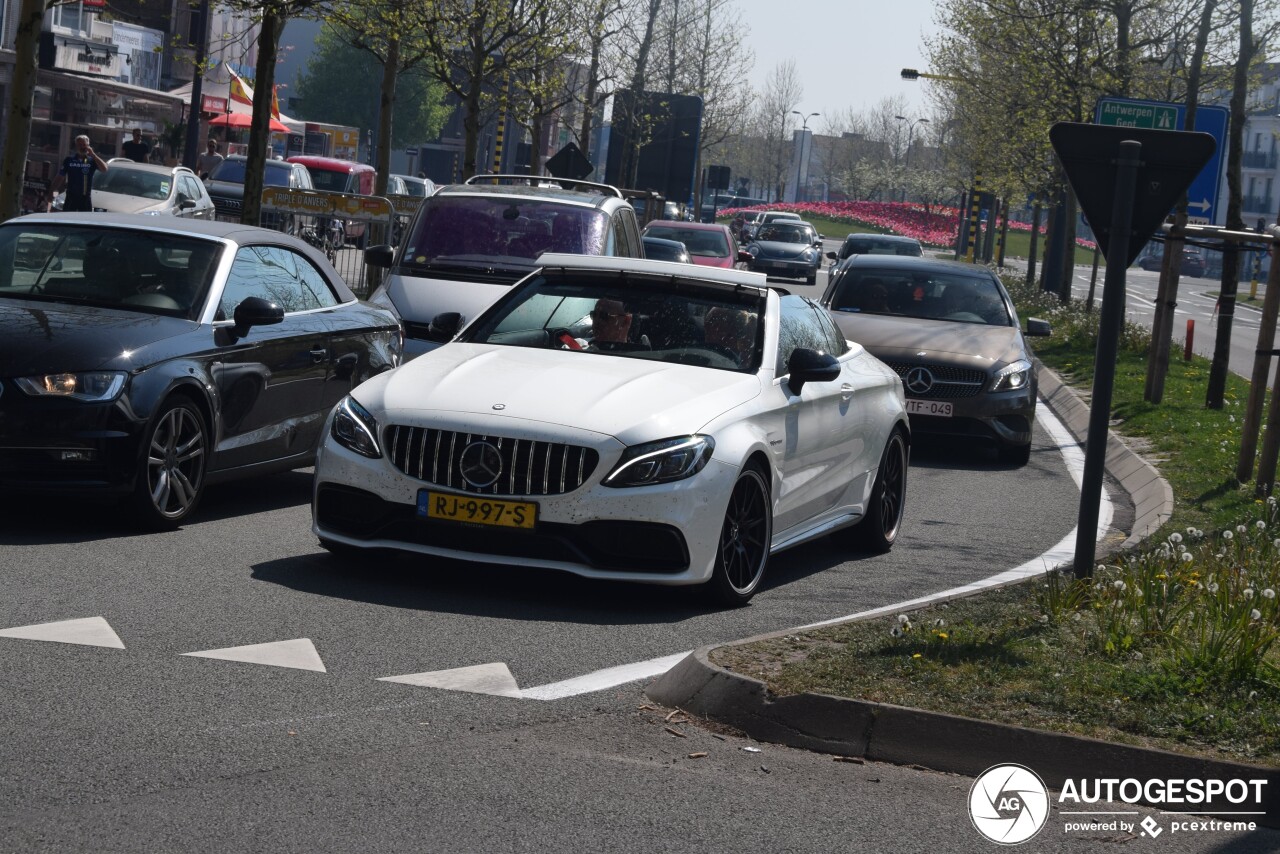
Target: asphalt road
[139, 746]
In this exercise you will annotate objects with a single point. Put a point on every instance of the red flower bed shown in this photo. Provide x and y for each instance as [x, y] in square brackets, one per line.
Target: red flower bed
[937, 226]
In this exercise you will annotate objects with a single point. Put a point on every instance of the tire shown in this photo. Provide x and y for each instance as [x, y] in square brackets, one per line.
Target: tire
[812, 279]
[879, 528]
[1015, 455]
[745, 535]
[171, 469]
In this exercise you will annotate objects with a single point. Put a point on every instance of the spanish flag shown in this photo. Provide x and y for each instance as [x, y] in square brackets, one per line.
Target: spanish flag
[238, 90]
[275, 102]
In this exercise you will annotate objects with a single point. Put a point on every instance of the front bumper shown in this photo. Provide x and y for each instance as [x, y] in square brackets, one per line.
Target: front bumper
[795, 269]
[66, 445]
[663, 534]
[1003, 417]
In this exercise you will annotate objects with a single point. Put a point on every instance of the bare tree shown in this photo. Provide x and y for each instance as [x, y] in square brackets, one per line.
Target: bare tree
[782, 94]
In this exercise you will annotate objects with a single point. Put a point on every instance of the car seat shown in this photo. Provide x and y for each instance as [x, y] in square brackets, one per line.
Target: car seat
[106, 272]
[732, 331]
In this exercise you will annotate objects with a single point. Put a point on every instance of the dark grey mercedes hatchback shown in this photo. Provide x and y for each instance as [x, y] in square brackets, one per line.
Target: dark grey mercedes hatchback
[146, 358]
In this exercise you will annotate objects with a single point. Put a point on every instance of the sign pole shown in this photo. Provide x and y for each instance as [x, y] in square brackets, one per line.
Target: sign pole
[1104, 375]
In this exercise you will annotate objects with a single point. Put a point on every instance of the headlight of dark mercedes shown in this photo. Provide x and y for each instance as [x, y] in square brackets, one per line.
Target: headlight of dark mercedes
[356, 429]
[1012, 377]
[662, 461]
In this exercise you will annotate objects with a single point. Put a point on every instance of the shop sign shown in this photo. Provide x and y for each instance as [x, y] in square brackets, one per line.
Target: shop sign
[213, 104]
[319, 203]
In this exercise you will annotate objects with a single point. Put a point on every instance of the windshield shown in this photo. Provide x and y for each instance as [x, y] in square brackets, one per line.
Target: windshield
[232, 171]
[785, 232]
[596, 314]
[141, 271]
[489, 231]
[873, 246]
[333, 182]
[134, 182]
[699, 241]
[417, 189]
[917, 293]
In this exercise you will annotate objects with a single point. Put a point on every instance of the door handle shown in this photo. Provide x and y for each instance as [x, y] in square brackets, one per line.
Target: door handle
[846, 391]
[318, 356]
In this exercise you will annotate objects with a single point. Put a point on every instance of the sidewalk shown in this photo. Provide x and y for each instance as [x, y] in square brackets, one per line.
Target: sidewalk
[942, 742]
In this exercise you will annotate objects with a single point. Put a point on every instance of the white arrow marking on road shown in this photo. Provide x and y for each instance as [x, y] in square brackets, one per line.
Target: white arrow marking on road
[607, 678]
[495, 679]
[88, 631]
[299, 653]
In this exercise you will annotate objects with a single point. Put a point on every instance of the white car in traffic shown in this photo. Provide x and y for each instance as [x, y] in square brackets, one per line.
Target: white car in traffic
[623, 419]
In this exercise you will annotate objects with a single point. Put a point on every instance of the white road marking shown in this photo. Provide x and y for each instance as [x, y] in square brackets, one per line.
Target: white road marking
[87, 631]
[495, 679]
[299, 653]
[602, 679]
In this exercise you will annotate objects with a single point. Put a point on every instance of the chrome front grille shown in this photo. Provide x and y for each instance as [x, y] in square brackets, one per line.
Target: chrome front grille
[949, 381]
[528, 467]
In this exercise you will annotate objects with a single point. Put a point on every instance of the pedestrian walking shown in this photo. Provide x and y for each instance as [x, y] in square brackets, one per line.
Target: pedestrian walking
[76, 175]
[207, 162]
[136, 149]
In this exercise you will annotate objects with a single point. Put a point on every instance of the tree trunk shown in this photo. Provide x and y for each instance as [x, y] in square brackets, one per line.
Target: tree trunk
[1068, 249]
[471, 127]
[631, 153]
[589, 98]
[386, 104]
[1231, 259]
[22, 93]
[260, 126]
[191, 142]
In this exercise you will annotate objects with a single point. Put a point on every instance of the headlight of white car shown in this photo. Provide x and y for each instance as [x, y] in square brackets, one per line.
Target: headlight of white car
[1012, 377]
[355, 428]
[94, 386]
[662, 461]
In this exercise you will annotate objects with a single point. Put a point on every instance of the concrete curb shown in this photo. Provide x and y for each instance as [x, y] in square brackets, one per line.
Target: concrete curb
[944, 742]
[885, 733]
[1151, 494]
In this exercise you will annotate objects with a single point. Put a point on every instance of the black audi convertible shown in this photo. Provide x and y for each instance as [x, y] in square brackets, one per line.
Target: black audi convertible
[147, 358]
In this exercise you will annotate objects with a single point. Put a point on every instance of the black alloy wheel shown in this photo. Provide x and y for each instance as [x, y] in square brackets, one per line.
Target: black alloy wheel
[745, 538]
[878, 530]
[171, 475]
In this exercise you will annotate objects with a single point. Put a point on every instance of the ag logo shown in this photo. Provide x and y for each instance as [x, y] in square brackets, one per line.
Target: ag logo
[1008, 804]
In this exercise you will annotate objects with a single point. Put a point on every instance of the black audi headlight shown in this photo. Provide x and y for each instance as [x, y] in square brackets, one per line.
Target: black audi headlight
[356, 429]
[662, 461]
[91, 386]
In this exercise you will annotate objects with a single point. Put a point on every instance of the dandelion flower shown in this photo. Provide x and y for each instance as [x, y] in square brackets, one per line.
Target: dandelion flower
[903, 619]
[1240, 529]
[943, 635]
[1253, 695]
[1137, 591]
[1248, 593]
[1227, 535]
[1212, 587]
[1175, 537]
[896, 632]
[1181, 549]
[1231, 419]
[939, 622]
[1043, 618]
[1268, 594]
[1118, 584]
[1137, 656]
[1255, 614]
[917, 655]
[1276, 542]
[1186, 557]
[1260, 525]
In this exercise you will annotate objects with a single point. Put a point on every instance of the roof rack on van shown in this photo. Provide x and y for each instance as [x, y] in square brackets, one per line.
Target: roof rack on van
[547, 180]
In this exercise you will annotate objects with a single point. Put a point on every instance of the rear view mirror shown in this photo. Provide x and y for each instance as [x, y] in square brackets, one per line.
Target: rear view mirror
[808, 366]
[380, 256]
[1038, 328]
[446, 324]
[833, 256]
[255, 311]
[745, 257]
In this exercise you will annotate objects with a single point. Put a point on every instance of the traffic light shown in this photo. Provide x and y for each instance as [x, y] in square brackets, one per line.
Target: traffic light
[910, 74]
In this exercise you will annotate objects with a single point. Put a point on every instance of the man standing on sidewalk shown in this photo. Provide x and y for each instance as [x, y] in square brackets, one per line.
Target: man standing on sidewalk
[76, 175]
[207, 162]
[136, 149]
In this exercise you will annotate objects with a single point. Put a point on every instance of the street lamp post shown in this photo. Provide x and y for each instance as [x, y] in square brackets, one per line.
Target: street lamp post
[804, 130]
[911, 128]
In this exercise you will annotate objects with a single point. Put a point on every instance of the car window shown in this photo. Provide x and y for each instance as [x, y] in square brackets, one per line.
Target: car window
[709, 326]
[488, 231]
[141, 271]
[277, 275]
[190, 187]
[702, 242]
[785, 232]
[134, 182]
[799, 326]
[930, 294]
[334, 182]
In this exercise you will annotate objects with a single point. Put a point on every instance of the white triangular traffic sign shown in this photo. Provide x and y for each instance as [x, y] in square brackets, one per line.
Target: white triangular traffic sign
[299, 653]
[87, 631]
[494, 679]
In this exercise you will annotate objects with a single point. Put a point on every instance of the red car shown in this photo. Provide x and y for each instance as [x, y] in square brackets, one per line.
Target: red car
[341, 176]
[710, 244]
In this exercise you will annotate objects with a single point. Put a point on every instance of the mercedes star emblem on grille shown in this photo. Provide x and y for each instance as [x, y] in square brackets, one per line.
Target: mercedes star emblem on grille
[480, 464]
[919, 380]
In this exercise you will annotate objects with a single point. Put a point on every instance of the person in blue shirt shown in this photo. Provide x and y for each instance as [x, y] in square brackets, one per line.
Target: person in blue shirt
[76, 175]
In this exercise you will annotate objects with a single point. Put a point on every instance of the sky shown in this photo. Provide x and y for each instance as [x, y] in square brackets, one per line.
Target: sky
[848, 53]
